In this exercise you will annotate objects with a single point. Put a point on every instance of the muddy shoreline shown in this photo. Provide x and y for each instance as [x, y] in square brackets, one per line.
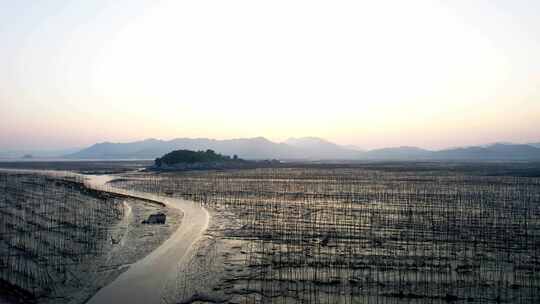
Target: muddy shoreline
[128, 241]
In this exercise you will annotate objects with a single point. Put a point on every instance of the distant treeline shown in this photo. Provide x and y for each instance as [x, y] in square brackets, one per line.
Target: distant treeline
[192, 157]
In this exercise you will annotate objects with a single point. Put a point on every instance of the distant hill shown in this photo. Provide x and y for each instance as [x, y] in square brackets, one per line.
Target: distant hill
[318, 148]
[536, 145]
[399, 153]
[305, 148]
[354, 148]
[494, 152]
[248, 148]
[511, 152]
[192, 157]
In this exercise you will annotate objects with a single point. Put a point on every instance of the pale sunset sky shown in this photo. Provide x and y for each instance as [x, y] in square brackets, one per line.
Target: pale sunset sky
[432, 74]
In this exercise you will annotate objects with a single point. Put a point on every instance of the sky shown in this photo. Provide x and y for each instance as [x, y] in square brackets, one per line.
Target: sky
[432, 74]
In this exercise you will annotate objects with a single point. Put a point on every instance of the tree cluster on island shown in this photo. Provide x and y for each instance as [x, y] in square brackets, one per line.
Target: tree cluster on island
[194, 157]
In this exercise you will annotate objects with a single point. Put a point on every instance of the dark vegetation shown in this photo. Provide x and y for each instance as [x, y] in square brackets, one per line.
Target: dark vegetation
[382, 233]
[192, 157]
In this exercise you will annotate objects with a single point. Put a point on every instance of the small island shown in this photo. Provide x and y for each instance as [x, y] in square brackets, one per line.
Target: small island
[193, 160]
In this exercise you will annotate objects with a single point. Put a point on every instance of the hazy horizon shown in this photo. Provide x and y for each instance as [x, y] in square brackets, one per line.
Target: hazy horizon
[431, 74]
[70, 150]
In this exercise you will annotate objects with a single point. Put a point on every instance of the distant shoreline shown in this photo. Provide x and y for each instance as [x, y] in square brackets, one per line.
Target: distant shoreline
[38, 159]
[80, 166]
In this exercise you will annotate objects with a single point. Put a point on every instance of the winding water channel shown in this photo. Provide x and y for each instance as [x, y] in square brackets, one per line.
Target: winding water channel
[145, 280]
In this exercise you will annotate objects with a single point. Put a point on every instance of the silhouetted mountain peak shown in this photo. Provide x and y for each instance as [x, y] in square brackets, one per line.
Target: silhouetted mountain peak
[309, 141]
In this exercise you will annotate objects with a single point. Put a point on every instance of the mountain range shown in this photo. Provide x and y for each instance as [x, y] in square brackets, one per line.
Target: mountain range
[305, 148]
